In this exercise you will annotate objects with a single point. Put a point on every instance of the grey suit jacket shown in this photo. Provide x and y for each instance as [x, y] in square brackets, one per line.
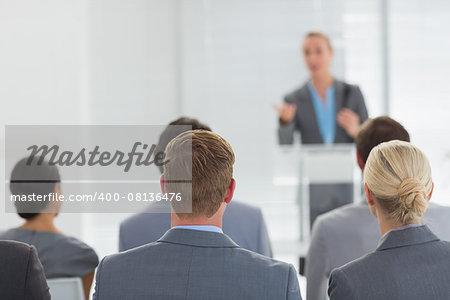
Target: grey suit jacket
[305, 120]
[350, 232]
[242, 222]
[408, 264]
[21, 272]
[191, 264]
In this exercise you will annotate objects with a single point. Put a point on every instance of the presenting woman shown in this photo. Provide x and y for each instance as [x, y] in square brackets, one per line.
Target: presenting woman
[323, 110]
[410, 262]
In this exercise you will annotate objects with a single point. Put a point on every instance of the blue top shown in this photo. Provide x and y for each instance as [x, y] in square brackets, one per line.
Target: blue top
[200, 227]
[325, 112]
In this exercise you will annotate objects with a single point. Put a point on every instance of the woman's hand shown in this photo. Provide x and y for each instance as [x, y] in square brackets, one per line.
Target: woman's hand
[349, 120]
[286, 112]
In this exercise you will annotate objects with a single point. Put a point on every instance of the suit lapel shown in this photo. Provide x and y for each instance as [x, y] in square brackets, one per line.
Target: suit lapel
[338, 105]
[339, 100]
[308, 112]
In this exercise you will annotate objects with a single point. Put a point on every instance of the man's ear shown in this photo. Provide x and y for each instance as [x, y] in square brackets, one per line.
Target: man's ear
[432, 189]
[360, 161]
[57, 191]
[230, 191]
[163, 184]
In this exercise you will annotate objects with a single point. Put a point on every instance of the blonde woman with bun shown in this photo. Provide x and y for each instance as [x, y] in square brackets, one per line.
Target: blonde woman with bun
[410, 261]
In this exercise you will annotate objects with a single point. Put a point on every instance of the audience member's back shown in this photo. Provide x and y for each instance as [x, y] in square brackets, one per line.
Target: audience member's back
[186, 264]
[61, 255]
[21, 273]
[243, 222]
[410, 261]
[195, 259]
[339, 238]
[351, 231]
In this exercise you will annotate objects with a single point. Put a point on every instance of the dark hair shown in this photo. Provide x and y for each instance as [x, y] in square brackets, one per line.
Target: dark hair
[172, 131]
[32, 176]
[376, 131]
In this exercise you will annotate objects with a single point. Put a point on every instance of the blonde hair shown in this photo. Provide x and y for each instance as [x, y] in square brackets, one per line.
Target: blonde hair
[398, 175]
[321, 35]
[207, 159]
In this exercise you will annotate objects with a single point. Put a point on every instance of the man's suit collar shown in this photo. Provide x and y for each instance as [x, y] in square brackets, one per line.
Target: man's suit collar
[407, 237]
[198, 238]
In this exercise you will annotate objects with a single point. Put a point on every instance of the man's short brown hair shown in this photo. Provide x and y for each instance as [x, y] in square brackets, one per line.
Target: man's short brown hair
[209, 159]
[376, 131]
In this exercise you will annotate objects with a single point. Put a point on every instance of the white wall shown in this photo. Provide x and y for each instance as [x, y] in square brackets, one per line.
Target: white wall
[87, 62]
[420, 71]
[42, 61]
[133, 52]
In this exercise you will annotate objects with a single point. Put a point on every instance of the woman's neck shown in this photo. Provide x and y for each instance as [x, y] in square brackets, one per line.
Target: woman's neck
[387, 225]
[42, 222]
[322, 83]
[323, 80]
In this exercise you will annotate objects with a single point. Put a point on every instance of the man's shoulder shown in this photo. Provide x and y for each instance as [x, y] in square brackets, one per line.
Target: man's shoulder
[437, 213]
[134, 254]
[347, 214]
[259, 259]
[437, 218]
[438, 208]
[157, 264]
[155, 252]
[243, 208]
[150, 216]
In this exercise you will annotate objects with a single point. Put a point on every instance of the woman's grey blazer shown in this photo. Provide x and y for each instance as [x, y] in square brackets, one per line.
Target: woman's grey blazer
[408, 264]
[305, 120]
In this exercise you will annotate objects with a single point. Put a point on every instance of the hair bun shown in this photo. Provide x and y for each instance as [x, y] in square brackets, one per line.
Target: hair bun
[412, 194]
[409, 186]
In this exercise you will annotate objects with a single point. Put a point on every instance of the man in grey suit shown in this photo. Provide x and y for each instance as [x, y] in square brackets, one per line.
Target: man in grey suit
[195, 259]
[244, 223]
[349, 232]
[21, 273]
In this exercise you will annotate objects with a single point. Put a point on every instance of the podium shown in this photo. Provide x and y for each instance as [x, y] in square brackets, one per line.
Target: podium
[328, 172]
